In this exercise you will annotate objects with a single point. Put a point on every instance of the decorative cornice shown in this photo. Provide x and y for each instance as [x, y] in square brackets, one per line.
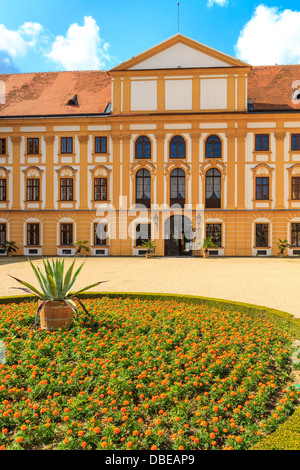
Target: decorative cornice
[126, 137]
[83, 139]
[280, 135]
[116, 137]
[49, 139]
[195, 136]
[160, 137]
[232, 134]
[16, 139]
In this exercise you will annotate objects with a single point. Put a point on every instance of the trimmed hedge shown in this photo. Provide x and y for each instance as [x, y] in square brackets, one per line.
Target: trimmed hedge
[287, 436]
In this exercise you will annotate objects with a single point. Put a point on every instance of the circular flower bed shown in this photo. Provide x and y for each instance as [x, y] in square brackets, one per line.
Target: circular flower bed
[142, 374]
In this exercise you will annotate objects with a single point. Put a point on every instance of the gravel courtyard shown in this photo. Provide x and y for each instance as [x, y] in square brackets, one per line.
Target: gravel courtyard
[270, 282]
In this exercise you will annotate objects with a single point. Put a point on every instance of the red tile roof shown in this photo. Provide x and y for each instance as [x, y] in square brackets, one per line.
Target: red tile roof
[46, 94]
[271, 87]
[40, 94]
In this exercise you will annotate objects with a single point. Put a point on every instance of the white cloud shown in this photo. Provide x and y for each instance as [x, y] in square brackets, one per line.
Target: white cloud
[221, 3]
[81, 49]
[270, 37]
[16, 43]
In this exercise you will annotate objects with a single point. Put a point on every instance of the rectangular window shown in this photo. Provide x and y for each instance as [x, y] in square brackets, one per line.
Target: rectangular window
[262, 235]
[32, 146]
[100, 234]
[2, 146]
[262, 142]
[2, 234]
[296, 187]
[100, 144]
[66, 189]
[295, 234]
[33, 234]
[2, 189]
[214, 231]
[295, 142]
[67, 145]
[142, 233]
[100, 189]
[33, 189]
[66, 234]
[262, 188]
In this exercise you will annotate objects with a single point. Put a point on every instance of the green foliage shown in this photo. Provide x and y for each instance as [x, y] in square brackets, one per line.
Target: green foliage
[282, 245]
[10, 247]
[81, 245]
[208, 243]
[54, 284]
[149, 245]
[286, 437]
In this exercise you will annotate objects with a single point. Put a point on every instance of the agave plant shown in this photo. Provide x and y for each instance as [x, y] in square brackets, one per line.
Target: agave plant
[55, 285]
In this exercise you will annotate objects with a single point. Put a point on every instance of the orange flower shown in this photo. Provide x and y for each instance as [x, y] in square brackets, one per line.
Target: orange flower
[19, 439]
[116, 430]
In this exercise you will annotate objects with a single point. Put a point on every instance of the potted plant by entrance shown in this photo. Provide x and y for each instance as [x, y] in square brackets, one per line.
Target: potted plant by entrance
[10, 248]
[207, 243]
[150, 246]
[282, 245]
[56, 301]
[80, 245]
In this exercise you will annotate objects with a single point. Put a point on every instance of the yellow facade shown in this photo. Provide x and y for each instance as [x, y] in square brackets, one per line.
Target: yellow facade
[204, 96]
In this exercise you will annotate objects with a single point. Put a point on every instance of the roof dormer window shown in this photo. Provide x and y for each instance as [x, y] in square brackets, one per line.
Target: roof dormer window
[73, 101]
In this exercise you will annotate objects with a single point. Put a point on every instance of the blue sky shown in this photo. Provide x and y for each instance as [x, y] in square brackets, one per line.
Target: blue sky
[96, 34]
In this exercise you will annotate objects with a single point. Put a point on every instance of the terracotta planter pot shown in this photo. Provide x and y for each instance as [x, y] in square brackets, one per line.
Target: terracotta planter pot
[206, 255]
[55, 314]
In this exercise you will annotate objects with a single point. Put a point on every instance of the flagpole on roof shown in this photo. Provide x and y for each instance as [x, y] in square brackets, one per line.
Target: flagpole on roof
[178, 17]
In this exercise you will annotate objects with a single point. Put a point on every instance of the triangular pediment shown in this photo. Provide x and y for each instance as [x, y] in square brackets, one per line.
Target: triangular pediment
[179, 52]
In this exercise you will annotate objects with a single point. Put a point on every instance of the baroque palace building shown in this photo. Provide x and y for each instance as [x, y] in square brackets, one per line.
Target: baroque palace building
[177, 144]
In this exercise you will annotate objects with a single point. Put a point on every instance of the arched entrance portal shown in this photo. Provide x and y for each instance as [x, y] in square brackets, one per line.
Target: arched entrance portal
[178, 236]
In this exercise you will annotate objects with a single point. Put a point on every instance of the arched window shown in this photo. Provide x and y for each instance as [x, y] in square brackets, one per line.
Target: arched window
[143, 187]
[142, 147]
[177, 187]
[177, 147]
[213, 147]
[213, 189]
